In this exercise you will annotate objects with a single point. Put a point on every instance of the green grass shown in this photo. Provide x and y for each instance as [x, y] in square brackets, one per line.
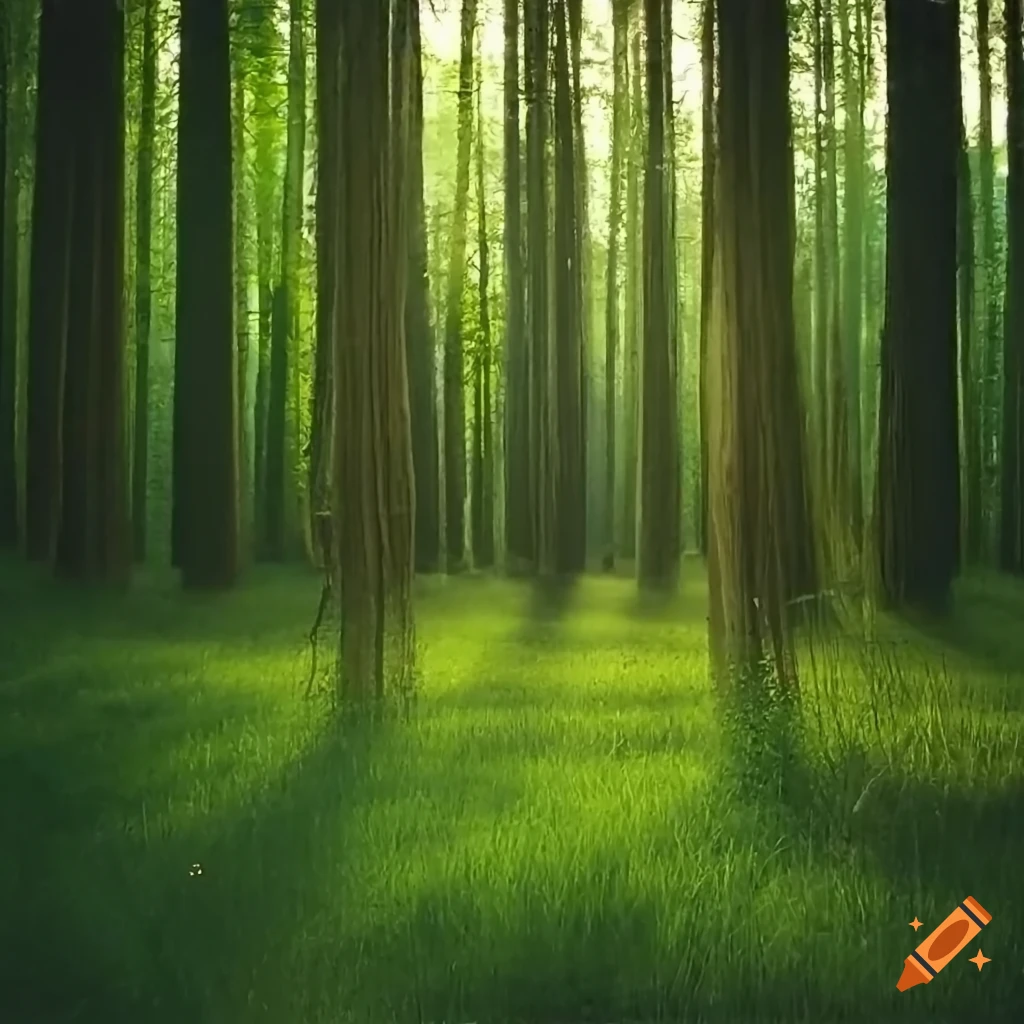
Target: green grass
[554, 837]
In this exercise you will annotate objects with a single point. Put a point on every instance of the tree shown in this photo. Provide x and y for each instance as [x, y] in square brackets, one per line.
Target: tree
[918, 483]
[8, 362]
[761, 550]
[454, 354]
[143, 281]
[374, 492]
[568, 438]
[419, 335]
[1011, 534]
[205, 502]
[707, 239]
[620, 113]
[281, 493]
[658, 536]
[519, 538]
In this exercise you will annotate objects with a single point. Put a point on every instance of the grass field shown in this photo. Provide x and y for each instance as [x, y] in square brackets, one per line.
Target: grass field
[553, 837]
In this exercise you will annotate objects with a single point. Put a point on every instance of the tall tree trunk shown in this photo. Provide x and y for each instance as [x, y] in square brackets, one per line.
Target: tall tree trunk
[328, 170]
[988, 291]
[1011, 538]
[570, 483]
[821, 304]
[419, 334]
[634, 308]
[620, 114]
[658, 534]
[143, 281]
[8, 363]
[205, 507]
[851, 41]
[918, 490]
[707, 240]
[280, 484]
[761, 550]
[535, 18]
[454, 355]
[519, 541]
[50, 273]
[482, 503]
[242, 221]
[374, 491]
[969, 397]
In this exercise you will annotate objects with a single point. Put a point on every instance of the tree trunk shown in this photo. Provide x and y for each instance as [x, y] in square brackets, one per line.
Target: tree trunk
[8, 360]
[242, 221]
[454, 350]
[1011, 534]
[374, 491]
[918, 490]
[205, 507]
[535, 16]
[50, 273]
[519, 540]
[620, 114]
[851, 41]
[658, 534]
[419, 338]
[568, 442]
[634, 309]
[988, 292]
[821, 304]
[482, 503]
[707, 241]
[280, 485]
[143, 281]
[761, 549]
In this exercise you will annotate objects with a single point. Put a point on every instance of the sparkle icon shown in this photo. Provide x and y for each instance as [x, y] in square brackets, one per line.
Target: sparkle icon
[915, 924]
[979, 959]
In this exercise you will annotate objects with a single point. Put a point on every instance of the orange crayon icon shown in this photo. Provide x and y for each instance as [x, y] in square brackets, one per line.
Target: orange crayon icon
[943, 944]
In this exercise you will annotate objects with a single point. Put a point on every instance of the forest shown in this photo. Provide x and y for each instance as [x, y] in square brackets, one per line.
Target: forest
[511, 511]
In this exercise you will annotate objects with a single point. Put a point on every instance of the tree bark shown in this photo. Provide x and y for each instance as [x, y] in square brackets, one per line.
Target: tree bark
[918, 489]
[143, 280]
[205, 506]
[707, 241]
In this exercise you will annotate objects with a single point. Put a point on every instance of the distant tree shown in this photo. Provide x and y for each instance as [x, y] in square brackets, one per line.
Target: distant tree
[707, 239]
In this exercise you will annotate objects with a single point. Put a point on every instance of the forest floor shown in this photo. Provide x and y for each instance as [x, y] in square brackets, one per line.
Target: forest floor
[553, 837]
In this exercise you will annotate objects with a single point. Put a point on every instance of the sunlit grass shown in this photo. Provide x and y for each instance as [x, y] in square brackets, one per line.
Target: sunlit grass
[554, 837]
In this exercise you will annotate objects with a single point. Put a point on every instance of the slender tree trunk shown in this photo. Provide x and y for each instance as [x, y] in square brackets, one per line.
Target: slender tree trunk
[658, 533]
[8, 363]
[1011, 539]
[454, 355]
[969, 405]
[519, 540]
[419, 334]
[570, 483]
[851, 41]
[143, 281]
[707, 241]
[242, 221]
[49, 281]
[821, 304]
[280, 488]
[634, 310]
[988, 292]
[918, 490]
[205, 507]
[620, 114]
[535, 17]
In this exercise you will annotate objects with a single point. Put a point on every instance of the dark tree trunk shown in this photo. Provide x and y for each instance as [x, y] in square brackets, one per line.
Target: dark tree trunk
[707, 241]
[658, 535]
[918, 490]
[143, 282]
[8, 360]
[519, 541]
[205, 505]
[1011, 534]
